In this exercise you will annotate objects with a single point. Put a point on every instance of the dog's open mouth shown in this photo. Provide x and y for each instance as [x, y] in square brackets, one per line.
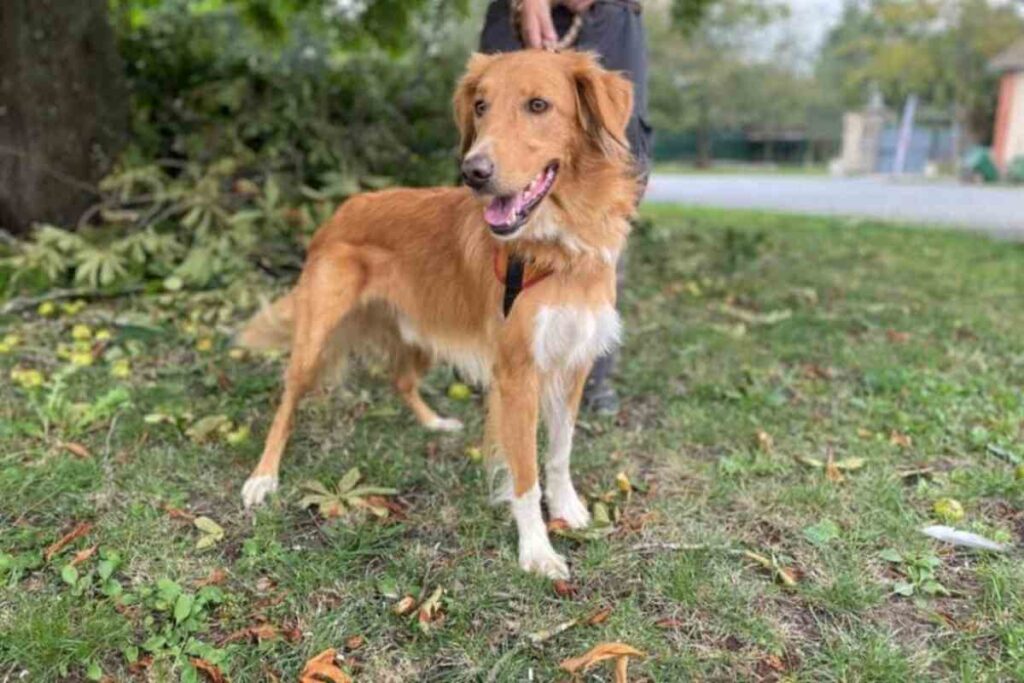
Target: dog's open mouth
[507, 214]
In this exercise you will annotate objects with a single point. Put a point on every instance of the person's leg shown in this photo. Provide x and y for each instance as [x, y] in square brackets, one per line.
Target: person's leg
[614, 30]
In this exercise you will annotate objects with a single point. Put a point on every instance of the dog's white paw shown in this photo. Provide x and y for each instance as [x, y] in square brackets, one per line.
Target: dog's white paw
[537, 556]
[256, 489]
[565, 504]
[444, 424]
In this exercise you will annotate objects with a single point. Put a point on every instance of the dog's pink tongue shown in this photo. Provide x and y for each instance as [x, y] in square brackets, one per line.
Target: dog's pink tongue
[500, 211]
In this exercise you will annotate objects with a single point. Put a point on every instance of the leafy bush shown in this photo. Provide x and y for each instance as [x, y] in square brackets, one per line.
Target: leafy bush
[247, 138]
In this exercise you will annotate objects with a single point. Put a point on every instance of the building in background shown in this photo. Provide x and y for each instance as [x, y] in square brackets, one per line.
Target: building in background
[1008, 140]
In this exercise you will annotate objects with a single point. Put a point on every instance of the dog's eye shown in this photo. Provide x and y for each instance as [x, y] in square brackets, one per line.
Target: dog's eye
[538, 106]
[479, 107]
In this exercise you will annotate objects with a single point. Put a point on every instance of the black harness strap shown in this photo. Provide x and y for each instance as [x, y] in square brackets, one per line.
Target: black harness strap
[513, 281]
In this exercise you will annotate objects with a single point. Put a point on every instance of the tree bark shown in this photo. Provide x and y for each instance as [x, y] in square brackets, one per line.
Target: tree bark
[63, 108]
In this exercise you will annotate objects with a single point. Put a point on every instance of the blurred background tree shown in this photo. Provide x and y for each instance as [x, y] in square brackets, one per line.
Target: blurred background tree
[936, 49]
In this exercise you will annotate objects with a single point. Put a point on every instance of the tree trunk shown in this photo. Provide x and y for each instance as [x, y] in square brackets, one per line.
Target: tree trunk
[704, 133]
[63, 108]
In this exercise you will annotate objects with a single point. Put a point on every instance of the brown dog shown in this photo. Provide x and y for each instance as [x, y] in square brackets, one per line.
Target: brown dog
[420, 273]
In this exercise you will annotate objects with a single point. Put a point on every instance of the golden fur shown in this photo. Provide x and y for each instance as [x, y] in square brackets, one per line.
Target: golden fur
[411, 271]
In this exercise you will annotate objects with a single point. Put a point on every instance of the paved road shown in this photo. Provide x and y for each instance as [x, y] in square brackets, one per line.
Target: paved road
[994, 210]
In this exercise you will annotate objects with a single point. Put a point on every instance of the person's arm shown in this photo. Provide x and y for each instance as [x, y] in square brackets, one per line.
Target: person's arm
[535, 20]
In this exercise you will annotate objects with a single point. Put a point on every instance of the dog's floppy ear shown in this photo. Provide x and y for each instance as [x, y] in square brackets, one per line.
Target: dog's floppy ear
[605, 101]
[465, 96]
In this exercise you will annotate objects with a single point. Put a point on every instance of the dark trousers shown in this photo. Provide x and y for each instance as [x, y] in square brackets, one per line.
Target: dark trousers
[614, 30]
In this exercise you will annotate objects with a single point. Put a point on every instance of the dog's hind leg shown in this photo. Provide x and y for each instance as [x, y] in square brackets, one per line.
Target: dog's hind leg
[330, 286]
[410, 365]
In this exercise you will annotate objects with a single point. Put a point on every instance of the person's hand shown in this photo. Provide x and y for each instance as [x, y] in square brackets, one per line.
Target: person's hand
[578, 6]
[535, 20]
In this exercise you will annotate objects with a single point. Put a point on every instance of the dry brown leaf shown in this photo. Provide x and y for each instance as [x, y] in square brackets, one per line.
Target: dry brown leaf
[81, 529]
[404, 606]
[668, 623]
[214, 578]
[83, 555]
[212, 673]
[322, 669]
[259, 632]
[599, 653]
[76, 449]
[765, 442]
[178, 513]
[430, 609]
[896, 337]
[900, 439]
[832, 472]
[599, 617]
[141, 664]
[621, 670]
[557, 524]
[563, 588]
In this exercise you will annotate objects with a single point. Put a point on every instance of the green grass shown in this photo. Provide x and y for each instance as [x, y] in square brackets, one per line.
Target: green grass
[829, 336]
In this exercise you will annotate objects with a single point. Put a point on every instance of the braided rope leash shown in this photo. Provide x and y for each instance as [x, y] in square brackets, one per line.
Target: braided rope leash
[563, 43]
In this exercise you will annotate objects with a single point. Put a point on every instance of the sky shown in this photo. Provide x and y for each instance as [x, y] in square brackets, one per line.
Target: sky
[813, 17]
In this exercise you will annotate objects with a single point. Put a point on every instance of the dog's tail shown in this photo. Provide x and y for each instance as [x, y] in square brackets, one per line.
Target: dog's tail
[271, 327]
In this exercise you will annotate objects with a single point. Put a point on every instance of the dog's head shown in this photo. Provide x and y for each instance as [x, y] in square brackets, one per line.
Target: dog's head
[528, 117]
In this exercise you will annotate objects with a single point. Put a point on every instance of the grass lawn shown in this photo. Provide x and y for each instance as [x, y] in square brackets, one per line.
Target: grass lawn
[758, 347]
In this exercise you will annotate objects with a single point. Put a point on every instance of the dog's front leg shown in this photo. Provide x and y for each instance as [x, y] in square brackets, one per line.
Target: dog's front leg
[516, 403]
[560, 402]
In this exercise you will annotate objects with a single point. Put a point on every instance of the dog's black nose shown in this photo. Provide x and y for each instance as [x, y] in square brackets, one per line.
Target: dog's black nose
[477, 170]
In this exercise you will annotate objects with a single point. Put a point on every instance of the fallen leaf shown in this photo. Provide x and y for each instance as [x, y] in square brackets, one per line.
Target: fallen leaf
[774, 662]
[404, 606]
[178, 513]
[765, 442]
[897, 337]
[599, 617]
[83, 555]
[214, 578]
[322, 669]
[620, 652]
[81, 529]
[430, 609]
[354, 642]
[849, 464]
[832, 472]
[557, 524]
[76, 449]
[212, 673]
[213, 533]
[668, 623]
[786, 576]
[206, 428]
[259, 632]
[622, 482]
[141, 664]
[563, 588]
[810, 462]
[900, 439]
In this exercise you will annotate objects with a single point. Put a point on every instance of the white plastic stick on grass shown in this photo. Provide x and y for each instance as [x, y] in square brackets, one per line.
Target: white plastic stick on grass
[948, 534]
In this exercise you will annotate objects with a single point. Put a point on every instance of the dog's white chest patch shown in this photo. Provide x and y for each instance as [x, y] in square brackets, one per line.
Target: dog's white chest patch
[569, 337]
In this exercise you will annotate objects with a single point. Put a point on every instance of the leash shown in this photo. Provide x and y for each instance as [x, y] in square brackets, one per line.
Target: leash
[514, 279]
